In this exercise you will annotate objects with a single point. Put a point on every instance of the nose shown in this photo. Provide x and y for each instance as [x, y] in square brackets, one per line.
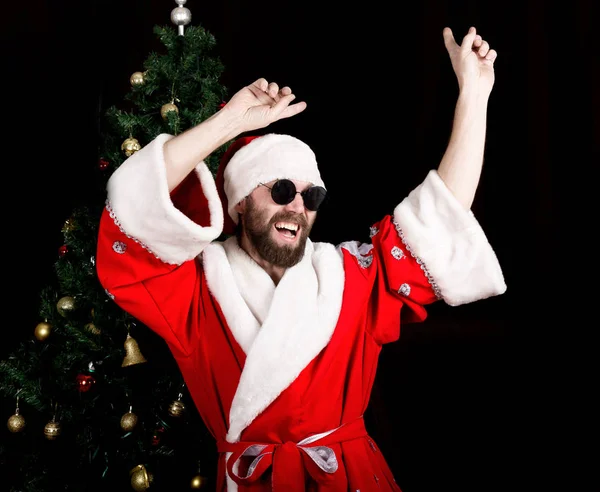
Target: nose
[296, 205]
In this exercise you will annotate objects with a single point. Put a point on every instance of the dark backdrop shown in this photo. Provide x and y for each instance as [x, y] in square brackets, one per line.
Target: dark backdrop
[463, 401]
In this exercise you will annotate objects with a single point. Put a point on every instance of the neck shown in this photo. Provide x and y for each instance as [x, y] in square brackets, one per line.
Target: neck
[275, 272]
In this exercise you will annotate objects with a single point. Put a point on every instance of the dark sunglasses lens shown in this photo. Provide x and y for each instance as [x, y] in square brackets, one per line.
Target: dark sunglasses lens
[283, 192]
[314, 197]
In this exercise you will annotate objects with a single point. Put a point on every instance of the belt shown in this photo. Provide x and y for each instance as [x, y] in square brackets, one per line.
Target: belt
[290, 461]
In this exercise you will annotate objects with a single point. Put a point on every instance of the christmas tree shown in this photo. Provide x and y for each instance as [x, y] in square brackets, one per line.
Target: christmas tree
[94, 399]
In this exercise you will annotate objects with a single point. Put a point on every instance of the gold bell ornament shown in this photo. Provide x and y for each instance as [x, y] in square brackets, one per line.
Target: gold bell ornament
[16, 422]
[133, 355]
[141, 479]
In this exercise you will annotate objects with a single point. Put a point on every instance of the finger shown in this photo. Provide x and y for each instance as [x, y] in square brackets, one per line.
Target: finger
[483, 49]
[467, 41]
[491, 56]
[477, 41]
[449, 40]
[261, 95]
[285, 91]
[284, 109]
[261, 84]
[272, 89]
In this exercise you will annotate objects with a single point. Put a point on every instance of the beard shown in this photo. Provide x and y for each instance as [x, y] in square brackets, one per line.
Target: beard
[258, 231]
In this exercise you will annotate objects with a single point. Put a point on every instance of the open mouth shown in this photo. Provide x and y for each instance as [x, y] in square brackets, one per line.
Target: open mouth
[287, 230]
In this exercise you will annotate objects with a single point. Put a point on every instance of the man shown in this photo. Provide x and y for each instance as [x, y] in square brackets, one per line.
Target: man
[278, 337]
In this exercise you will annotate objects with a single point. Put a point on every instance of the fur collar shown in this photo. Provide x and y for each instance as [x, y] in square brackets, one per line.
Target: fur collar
[280, 328]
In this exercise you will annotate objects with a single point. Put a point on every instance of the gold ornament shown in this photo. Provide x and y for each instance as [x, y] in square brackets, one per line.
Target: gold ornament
[133, 355]
[43, 330]
[140, 478]
[16, 422]
[92, 328]
[129, 421]
[177, 408]
[66, 306]
[52, 430]
[69, 225]
[137, 78]
[167, 108]
[198, 482]
[130, 146]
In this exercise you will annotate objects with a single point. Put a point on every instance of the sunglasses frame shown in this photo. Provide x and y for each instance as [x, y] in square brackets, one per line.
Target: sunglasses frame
[303, 194]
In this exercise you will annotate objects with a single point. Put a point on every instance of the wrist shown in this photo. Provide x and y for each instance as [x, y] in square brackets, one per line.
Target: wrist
[472, 95]
[226, 124]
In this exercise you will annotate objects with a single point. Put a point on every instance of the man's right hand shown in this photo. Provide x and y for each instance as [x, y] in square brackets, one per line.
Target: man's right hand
[261, 103]
[252, 107]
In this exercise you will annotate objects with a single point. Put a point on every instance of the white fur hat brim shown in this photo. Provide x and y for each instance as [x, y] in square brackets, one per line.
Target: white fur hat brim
[264, 159]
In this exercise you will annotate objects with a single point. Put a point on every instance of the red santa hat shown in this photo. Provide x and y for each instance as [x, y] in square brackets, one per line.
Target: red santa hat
[252, 160]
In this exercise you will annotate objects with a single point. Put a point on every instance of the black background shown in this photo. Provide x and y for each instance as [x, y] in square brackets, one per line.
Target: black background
[465, 401]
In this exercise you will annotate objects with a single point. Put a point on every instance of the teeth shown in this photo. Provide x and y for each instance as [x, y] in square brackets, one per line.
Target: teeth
[287, 225]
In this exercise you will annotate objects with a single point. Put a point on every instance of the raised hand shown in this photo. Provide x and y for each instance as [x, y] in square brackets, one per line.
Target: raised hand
[472, 61]
[261, 103]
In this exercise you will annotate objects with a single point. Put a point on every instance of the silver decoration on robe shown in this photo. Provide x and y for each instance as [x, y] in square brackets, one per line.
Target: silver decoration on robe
[397, 253]
[119, 247]
[404, 289]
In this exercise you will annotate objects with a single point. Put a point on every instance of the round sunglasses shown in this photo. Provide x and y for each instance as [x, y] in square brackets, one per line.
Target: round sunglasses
[284, 192]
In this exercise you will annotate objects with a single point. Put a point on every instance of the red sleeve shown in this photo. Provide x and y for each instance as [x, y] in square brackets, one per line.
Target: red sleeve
[400, 288]
[158, 294]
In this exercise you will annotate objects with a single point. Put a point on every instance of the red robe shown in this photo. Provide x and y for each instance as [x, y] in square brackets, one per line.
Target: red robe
[282, 375]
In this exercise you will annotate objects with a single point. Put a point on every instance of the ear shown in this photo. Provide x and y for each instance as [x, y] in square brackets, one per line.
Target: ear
[241, 206]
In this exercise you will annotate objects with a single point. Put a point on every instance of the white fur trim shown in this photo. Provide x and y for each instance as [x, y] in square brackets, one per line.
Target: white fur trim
[450, 242]
[139, 198]
[231, 486]
[300, 315]
[265, 159]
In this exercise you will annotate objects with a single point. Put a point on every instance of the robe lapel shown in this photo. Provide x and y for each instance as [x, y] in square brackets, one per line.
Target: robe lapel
[280, 329]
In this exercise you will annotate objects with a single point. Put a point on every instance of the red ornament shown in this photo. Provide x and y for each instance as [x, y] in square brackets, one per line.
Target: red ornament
[222, 105]
[63, 250]
[84, 382]
[157, 435]
[102, 164]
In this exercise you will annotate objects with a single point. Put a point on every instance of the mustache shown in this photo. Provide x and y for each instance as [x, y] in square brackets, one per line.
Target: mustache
[290, 217]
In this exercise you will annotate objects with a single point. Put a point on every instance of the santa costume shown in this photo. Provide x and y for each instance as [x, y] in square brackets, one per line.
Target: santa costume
[282, 374]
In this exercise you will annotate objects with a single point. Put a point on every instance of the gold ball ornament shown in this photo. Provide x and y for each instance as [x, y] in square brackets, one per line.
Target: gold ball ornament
[43, 330]
[66, 306]
[167, 108]
[137, 78]
[129, 421]
[52, 430]
[140, 478]
[198, 482]
[176, 409]
[16, 422]
[130, 146]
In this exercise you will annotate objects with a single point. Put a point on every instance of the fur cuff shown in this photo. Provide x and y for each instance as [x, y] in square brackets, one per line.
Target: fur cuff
[139, 197]
[450, 242]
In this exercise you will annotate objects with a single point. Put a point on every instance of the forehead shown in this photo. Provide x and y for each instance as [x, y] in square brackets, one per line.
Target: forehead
[300, 185]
